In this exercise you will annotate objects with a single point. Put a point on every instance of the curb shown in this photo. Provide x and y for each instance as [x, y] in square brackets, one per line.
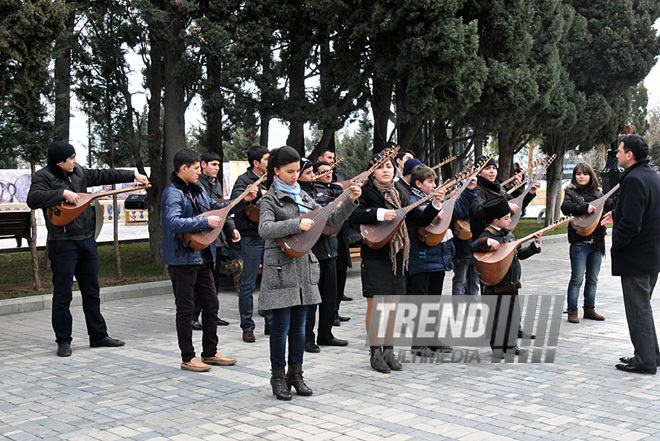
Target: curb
[110, 293]
[45, 301]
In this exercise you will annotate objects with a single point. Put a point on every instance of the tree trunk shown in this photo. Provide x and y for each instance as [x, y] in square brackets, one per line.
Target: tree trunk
[381, 101]
[63, 80]
[154, 76]
[507, 142]
[555, 143]
[34, 260]
[264, 125]
[297, 98]
[213, 113]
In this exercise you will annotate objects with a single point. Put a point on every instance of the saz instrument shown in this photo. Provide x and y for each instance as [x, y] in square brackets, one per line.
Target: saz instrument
[327, 172]
[447, 160]
[586, 224]
[376, 236]
[65, 213]
[203, 239]
[540, 161]
[252, 212]
[462, 229]
[492, 266]
[297, 245]
[515, 217]
[433, 234]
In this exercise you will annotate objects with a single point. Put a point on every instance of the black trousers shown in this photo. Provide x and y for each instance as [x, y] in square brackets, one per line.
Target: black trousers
[328, 291]
[216, 281]
[425, 284]
[78, 258]
[341, 285]
[188, 281]
[505, 320]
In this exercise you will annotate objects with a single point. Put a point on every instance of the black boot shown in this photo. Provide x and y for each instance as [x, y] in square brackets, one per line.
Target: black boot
[390, 359]
[377, 361]
[294, 378]
[278, 383]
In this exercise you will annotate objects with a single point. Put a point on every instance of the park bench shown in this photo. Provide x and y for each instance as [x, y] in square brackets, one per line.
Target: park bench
[15, 224]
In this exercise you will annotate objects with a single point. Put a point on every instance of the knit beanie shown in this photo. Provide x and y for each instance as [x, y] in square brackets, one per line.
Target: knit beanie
[60, 151]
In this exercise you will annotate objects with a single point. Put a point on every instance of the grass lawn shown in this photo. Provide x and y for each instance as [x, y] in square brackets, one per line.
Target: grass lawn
[136, 262]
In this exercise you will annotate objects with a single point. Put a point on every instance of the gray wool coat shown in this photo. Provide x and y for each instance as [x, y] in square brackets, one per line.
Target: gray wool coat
[288, 281]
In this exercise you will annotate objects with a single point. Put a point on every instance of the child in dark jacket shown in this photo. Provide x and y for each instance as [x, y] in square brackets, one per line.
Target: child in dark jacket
[498, 214]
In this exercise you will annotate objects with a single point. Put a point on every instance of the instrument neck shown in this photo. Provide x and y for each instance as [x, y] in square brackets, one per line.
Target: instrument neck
[546, 229]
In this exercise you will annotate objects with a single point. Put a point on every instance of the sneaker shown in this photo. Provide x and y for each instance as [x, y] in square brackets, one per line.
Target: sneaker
[248, 337]
[194, 365]
[219, 359]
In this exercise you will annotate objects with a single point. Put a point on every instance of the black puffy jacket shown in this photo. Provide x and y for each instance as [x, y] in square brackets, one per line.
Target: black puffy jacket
[49, 184]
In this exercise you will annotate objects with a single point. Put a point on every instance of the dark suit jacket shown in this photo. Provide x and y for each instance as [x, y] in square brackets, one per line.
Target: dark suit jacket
[636, 234]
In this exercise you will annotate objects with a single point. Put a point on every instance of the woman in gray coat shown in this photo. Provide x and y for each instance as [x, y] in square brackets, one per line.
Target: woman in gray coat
[289, 284]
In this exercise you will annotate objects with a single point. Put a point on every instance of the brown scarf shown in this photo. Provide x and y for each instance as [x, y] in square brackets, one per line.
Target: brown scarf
[400, 240]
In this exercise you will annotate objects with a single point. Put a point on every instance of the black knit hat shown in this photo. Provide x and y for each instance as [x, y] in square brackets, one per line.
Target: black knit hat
[495, 209]
[480, 158]
[60, 151]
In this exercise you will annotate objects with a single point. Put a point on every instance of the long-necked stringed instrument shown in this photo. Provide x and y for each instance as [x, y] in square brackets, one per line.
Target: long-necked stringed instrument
[447, 160]
[492, 266]
[435, 232]
[252, 212]
[376, 236]
[515, 217]
[586, 224]
[327, 172]
[297, 245]
[536, 163]
[65, 213]
[203, 239]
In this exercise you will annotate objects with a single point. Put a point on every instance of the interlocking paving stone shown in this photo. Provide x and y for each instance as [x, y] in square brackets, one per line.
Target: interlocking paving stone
[139, 392]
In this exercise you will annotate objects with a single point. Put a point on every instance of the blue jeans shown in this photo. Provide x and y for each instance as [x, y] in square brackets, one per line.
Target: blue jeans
[252, 249]
[287, 322]
[78, 258]
[583, 260]
[465, 280]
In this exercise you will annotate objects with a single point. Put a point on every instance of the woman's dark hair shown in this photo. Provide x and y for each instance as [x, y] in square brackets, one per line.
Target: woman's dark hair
[278, 158]
[374, 159]
[305, 164]
[584, 168]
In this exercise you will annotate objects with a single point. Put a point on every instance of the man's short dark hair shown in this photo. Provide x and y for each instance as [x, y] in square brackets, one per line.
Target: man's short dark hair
[635, 144]
[323, 152]
[210, 156]
[319, 164]
[255, 153]
[185, 157]
[403, 153]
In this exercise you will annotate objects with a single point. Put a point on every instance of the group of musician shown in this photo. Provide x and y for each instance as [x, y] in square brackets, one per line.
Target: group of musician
[411, 259]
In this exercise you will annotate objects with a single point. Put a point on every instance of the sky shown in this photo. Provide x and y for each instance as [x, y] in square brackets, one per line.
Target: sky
[278, 132]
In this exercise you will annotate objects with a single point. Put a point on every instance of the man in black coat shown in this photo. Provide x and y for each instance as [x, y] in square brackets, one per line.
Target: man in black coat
[72, 248]
[636, 250]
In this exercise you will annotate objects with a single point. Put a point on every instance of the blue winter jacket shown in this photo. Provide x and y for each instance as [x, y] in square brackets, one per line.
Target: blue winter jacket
[427, 259]
[180, 217]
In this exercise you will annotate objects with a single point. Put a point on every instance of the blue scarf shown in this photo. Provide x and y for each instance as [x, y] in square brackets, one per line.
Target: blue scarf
[293, 191]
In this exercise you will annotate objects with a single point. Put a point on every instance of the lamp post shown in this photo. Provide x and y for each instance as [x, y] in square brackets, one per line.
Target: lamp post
[611, 172]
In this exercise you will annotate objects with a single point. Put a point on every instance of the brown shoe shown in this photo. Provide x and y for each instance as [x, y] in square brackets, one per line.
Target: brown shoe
[219, 360]
[194, 365]
[248, 337]
[590, 313]
[573, 316]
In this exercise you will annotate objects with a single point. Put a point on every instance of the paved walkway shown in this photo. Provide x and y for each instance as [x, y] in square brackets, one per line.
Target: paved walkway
[139, 392]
